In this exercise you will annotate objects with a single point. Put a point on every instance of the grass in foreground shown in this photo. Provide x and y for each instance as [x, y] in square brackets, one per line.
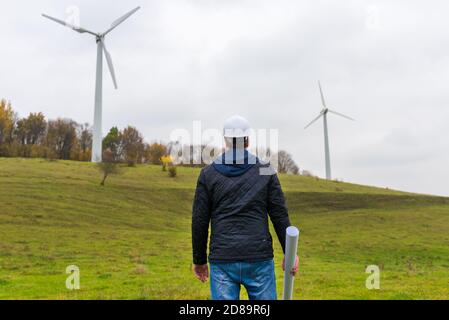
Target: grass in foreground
[131, 239]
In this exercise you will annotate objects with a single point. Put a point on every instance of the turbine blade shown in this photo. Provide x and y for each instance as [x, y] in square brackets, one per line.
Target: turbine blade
[120, 20]
[124, 17]
[322, 95]
[313, 121]
[110, 64]
[71, 26]
[57, 20]
[341, 115]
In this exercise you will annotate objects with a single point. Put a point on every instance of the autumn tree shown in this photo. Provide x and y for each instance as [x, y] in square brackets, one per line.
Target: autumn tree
[35, 128]
[29, 134]
[132, 145]
[62, 137]
[154, 153]
[8, 119]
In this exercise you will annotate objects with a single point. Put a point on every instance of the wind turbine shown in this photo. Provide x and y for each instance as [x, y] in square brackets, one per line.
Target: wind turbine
[324, 112]
[101, 47]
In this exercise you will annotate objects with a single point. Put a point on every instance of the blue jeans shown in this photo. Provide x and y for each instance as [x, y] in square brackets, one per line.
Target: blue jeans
[258, 278]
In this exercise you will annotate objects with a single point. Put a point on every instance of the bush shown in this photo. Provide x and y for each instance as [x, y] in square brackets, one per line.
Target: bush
[172, 171]
[166, 162]
[108, 166]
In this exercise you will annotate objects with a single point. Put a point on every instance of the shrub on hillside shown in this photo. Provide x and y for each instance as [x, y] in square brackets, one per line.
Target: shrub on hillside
[166, 162]
[109, 166]
[172, 171]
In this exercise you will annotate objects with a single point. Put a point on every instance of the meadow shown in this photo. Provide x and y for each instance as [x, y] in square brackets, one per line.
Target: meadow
[131, 239]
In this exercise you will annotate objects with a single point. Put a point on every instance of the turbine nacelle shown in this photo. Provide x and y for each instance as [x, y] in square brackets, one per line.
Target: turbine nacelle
[326, 110]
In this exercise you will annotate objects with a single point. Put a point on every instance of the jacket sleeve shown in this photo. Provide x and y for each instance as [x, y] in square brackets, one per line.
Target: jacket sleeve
[277, 209]
[201, 213]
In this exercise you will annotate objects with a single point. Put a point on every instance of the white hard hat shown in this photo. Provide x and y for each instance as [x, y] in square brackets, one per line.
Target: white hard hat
[237, 127]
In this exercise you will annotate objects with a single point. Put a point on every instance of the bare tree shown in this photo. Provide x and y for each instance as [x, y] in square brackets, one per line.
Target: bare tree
[286, 164]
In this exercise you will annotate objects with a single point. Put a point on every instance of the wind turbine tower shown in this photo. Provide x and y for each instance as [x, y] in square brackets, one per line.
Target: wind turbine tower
[101, 48]
[324, 112]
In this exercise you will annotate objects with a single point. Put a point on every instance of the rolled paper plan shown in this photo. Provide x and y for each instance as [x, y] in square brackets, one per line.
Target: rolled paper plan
[291, 247]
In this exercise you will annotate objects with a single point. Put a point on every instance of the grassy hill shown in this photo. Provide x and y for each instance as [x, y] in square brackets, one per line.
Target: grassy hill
[131, 239]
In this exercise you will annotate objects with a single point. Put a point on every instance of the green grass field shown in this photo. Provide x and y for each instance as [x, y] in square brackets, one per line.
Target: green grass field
[131, 239]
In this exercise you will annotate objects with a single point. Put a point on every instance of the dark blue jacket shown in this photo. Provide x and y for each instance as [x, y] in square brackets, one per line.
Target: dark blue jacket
[236, 200]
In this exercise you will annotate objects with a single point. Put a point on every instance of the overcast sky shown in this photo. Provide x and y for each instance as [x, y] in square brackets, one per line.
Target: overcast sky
[385, 63]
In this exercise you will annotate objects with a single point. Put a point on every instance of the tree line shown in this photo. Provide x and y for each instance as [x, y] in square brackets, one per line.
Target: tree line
[36, 137]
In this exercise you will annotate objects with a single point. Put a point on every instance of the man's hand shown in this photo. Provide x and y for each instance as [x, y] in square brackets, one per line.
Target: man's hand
[294, 270]
[201, 272]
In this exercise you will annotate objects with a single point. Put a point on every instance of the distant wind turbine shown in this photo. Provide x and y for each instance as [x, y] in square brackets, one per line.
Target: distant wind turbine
[101, 47]
[323, 114]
